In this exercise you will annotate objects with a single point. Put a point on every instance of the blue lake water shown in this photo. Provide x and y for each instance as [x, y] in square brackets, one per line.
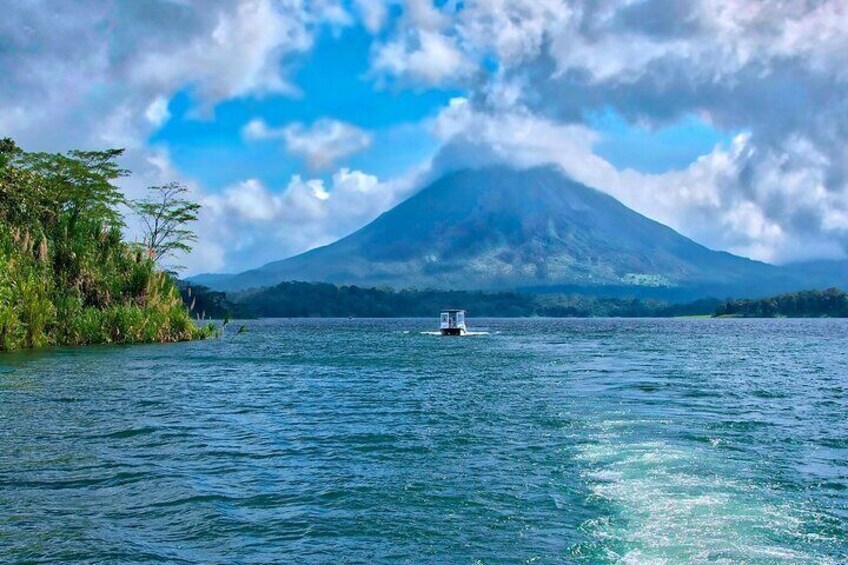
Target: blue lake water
[353, 441]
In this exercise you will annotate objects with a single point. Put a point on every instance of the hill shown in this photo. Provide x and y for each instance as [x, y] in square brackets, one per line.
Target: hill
[499, 228]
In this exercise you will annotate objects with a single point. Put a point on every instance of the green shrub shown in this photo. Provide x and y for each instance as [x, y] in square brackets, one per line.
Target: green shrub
[66, 275]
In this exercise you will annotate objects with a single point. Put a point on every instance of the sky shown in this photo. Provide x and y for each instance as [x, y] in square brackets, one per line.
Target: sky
[295, 122]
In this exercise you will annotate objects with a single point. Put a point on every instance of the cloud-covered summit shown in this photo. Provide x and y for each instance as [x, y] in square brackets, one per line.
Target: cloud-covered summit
[527, 79]
[771, 71]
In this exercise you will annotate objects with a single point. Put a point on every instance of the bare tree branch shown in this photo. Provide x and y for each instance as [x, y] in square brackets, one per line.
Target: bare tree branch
[165, 216]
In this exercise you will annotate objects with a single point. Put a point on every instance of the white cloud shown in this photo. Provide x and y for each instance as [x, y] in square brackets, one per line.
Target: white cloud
[474, 138]
[241, 53]
[373, 13]
[513, 30]
[248, 224]
[249, 201]
[784, 214]
[421, 51]
[321, 144]
[128, 63]
[325, 141]
[257, 130]
[424, 14]
[431, 58]
[157, 113]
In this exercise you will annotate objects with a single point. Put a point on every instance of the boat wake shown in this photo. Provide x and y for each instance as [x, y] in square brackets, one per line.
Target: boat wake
[466, 334]
[674, 504]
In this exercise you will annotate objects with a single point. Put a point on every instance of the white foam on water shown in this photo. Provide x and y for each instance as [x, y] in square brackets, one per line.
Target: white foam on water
[466, 334]
[683, 504]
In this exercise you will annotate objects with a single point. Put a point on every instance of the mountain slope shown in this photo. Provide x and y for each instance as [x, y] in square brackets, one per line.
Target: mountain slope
[499, 228]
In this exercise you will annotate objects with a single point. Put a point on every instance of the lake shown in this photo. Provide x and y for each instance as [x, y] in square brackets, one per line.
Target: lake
[362, 441]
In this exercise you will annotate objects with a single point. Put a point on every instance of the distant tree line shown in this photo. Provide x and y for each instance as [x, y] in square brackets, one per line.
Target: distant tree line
[206, 303]
[322, 300]
[830, 303]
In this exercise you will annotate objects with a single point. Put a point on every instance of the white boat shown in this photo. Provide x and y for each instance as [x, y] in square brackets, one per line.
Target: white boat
[453, 322]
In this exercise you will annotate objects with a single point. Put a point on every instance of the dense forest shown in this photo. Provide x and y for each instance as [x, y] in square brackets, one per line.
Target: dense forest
[66, 275]
[321, 300]
[830, 303]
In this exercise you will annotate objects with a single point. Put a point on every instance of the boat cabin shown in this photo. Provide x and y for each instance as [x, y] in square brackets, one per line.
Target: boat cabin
[453, 322]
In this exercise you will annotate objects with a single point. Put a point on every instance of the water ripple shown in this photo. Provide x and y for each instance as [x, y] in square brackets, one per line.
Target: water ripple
[548, 441]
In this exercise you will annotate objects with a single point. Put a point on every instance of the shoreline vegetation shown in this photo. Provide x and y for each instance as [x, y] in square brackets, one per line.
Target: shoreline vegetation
[829, 303]
[67, 277]
[323, 300]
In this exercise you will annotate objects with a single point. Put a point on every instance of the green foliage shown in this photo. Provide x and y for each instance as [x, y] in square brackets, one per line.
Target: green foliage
[165, 215]
[316, 300]
[74, 186]
[205, 303]
[66, 276]
[830, 303]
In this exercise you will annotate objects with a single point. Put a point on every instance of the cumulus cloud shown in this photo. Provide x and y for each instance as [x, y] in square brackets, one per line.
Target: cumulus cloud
[128, 63]
[771, 69]
[427, 57]
[373, 13]
[257, 130]
[325, 141]
[422, 51]
[774, 207]
[157, 113]
[249, 224]
[239, 55]
[321, 144]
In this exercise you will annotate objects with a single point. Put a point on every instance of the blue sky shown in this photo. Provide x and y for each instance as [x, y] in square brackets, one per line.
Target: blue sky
[334, 80]
[655, 149]
[295, 123]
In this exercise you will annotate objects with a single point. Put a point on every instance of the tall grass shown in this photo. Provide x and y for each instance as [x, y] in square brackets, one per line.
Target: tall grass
[68, 278]
[100, 292]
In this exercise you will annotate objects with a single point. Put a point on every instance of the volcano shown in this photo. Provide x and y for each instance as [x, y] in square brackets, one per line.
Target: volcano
[500, 228]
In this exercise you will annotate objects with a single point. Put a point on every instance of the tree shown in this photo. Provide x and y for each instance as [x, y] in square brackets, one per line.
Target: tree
[22, 196]
[8, 151]
[165, 217]
[80, 185]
